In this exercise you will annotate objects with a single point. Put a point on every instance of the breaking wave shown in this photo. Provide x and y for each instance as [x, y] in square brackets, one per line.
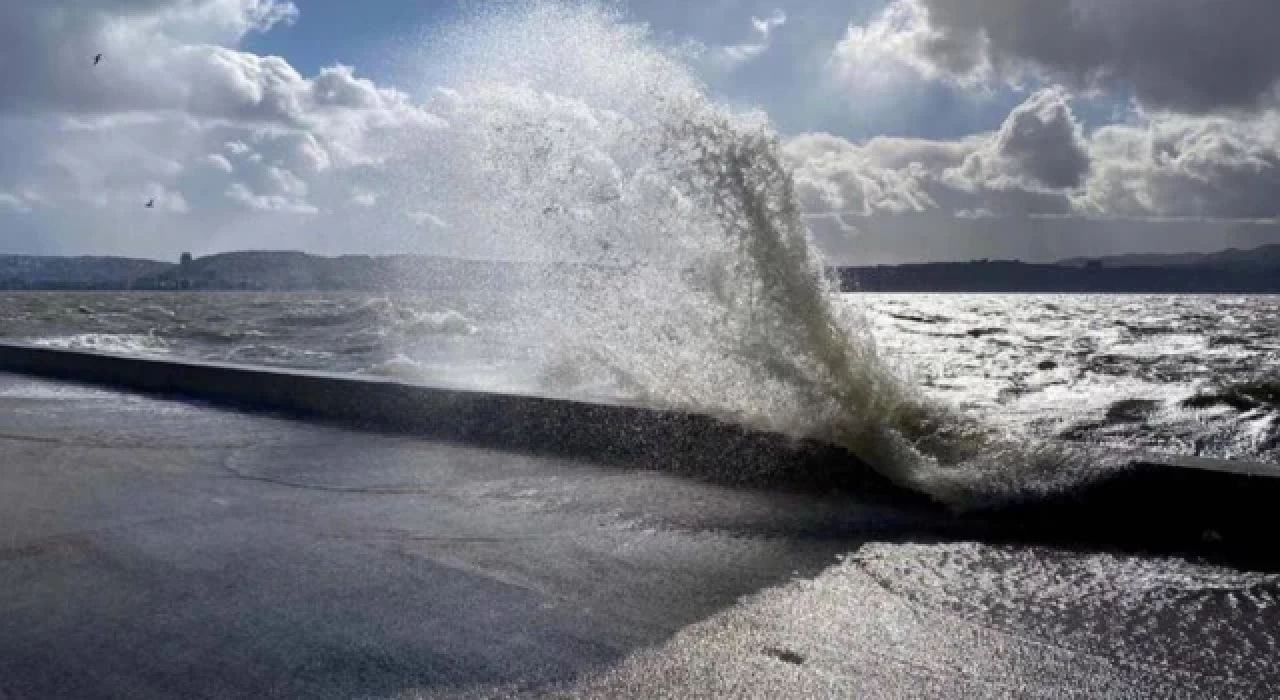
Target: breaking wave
[574, 137]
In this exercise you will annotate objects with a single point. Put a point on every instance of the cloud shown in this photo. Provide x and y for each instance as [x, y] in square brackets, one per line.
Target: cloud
[836, 177]
[1041, 144]
[734, 56]
[238, 145]
[219, 162]
[241, 149]
[157, 54]
[427, 218]
[1186, 167]
[1041, 166]
[896, 44]
[13, 202]
[1028, 167]
[1192, 56]
[898, 153]
[239, 192]
[176, 55]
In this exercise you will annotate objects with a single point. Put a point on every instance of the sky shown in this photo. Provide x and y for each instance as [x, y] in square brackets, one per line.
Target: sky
[917, 130]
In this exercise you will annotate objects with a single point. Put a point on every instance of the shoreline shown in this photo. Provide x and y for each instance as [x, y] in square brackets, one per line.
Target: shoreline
[1159, 504]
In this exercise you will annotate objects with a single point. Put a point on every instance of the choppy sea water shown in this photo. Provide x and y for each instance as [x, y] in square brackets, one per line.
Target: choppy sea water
[1184, 374]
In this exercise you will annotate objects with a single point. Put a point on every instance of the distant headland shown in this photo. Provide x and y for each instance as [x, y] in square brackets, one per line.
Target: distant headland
[1255, 271]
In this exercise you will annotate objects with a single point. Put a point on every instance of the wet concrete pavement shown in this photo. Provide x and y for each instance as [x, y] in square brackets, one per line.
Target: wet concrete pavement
[162, 549]
[155, 549]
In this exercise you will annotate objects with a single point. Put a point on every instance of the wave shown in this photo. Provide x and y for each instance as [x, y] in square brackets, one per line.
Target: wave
[574, 136]
[1243, 396]
[378, 314]
[119, 343]
[446, 322]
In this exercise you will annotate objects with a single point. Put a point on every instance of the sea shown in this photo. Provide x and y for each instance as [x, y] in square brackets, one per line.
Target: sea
[1188, 375]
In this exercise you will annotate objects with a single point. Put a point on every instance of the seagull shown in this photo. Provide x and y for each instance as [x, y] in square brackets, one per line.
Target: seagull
[151, 203]
[97, 59]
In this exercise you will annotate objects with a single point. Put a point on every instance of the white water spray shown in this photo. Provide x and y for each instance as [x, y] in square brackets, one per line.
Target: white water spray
[676, 263]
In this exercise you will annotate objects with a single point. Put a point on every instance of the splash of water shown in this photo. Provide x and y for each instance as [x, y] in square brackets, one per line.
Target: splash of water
[674, 258]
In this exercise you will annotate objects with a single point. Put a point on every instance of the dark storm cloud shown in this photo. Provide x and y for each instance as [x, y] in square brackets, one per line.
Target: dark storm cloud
[1186, 55]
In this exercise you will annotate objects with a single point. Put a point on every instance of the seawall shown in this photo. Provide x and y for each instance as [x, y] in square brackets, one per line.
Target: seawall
[1181, 505]
[612, 433]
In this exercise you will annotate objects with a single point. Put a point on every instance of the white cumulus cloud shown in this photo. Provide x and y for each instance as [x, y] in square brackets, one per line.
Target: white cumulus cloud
[178, 111]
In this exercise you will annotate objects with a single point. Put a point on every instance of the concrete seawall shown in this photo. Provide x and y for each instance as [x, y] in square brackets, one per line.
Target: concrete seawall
[601, 432]
[1170, 504]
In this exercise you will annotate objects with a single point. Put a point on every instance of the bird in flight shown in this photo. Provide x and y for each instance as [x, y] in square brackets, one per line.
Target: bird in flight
[97, 59]
[151, 203]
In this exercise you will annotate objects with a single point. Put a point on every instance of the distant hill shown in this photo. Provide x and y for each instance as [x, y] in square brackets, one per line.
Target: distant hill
[293, 271]
[30, 272]
[269, 270]
[1233, 271]
[1265, 255]
[251, 270]
[1016, 277]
